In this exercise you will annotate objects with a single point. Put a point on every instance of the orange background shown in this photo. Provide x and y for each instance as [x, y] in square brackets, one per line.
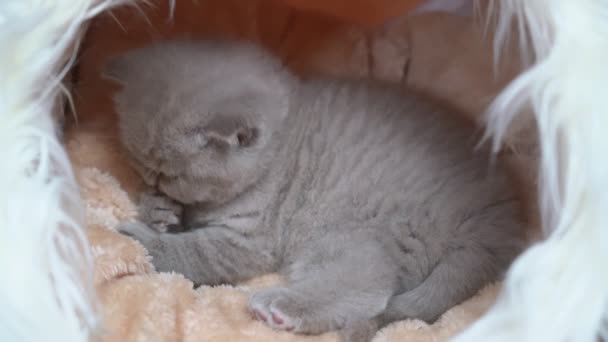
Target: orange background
[365, 12]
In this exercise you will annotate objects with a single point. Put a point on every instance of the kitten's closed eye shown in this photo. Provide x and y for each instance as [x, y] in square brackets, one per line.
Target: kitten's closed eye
[247, 136]
[231, 130]
[240, 138]
[222, 133]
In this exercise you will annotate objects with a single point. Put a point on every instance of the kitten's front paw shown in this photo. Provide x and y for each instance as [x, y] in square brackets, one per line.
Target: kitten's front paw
[140, 232]
[284, 309]
[159, 212]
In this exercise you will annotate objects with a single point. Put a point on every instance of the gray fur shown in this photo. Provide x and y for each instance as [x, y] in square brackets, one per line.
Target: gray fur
[367, 197]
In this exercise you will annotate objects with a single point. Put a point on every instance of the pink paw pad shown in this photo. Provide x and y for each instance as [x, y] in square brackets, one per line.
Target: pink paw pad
[259, 315]
[277, 319]
[280, 321]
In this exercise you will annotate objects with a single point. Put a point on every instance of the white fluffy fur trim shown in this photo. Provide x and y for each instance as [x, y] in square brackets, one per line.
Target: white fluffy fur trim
[463, 7]
[46, 288]
[558, 290]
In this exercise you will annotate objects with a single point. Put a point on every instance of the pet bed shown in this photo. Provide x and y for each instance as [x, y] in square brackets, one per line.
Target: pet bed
[139, 304]
[443, 54]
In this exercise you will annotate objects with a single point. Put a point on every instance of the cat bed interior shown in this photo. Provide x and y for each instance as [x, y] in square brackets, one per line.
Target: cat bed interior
[443, 54]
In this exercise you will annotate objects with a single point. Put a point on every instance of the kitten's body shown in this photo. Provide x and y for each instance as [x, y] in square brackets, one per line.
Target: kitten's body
[367, 198]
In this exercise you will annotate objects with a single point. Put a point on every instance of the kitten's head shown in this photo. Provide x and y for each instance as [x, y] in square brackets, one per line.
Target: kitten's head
[200, 120]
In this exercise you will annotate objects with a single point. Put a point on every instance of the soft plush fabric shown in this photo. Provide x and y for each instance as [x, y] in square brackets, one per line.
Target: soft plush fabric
[439, 53]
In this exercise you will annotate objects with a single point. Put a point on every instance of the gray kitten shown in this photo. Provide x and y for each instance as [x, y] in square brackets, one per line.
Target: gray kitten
[367, 198]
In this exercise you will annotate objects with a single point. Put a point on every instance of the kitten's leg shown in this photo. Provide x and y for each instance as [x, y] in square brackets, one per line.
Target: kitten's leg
[207, 256]
[359, 331]
[343, 280]
[457, 276]
[159, 212]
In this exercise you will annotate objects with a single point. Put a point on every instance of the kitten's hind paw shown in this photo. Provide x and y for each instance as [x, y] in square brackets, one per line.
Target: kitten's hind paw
[262, 306]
